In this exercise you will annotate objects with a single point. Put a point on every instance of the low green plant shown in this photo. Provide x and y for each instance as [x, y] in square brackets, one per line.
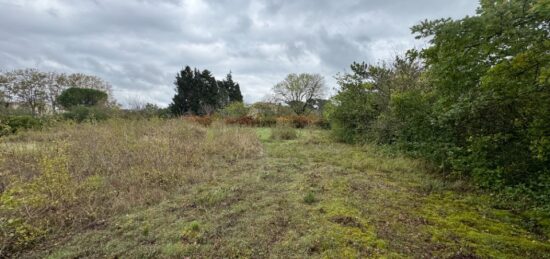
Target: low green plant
[310, 198]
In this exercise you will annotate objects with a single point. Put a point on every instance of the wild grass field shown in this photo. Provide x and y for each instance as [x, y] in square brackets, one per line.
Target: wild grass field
[175, 189]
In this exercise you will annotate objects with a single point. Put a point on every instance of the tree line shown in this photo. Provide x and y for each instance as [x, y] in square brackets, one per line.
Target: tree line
[39, 91]
[476, 101]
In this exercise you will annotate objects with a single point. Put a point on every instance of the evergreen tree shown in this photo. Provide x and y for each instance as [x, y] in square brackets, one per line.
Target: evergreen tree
[185, 93]
[233, 89]
[198, 92]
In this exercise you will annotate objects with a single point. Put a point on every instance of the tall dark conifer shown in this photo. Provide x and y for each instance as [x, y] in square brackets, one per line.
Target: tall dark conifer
[233, 89]
[198, 92]
[181, 102]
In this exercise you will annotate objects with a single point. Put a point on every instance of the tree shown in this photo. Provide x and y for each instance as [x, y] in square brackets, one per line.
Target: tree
[39, 90]
[198, 92]
[81, 97]
[27, 87]
[492, 98]
[298, 91]
[54, 86]
[232, 89]
[3, 95]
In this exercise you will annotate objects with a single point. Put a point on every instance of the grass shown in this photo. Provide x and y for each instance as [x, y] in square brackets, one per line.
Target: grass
[170, 189]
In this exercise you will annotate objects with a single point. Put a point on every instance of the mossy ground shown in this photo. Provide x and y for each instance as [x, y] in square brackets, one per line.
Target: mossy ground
[310, 197]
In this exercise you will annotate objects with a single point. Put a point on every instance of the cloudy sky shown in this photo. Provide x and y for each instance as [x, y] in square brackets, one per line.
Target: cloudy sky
[139, 45]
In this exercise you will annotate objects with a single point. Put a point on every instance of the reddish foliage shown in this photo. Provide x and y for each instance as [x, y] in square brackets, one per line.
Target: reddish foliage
[244, 120]
[202, 120]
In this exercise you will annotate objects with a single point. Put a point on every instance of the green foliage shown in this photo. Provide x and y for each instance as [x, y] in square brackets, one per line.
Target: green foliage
[198, 93]
[234, 110]
[230, 91]
[13, 124]
[482, 112]
[83, 113]
[5, 129]
[491, 104]
[81, 97]
[147, 111]
[310, 198]
[49, 191]
[361, 108]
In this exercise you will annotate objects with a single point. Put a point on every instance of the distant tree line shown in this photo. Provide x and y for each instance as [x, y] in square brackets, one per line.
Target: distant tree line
[199, 93]
[39, 91]
[476, 101]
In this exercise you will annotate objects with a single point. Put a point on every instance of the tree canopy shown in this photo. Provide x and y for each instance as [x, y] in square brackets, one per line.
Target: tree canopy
[73, 96]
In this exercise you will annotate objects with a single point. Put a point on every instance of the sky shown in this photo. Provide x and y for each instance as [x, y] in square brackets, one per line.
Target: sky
[140, 45]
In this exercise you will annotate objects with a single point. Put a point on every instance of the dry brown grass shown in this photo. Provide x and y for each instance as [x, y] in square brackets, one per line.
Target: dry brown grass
[76, 176]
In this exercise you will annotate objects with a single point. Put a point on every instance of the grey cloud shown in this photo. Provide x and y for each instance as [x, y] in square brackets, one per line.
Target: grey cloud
[139, 45]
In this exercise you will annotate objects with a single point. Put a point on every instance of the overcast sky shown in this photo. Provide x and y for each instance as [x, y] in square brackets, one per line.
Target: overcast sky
[139, 45]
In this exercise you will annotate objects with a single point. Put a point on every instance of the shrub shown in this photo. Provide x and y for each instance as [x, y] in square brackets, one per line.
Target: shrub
[83, 113]
[234, 110]
[310, 198]
[13, 124]
[5, 129]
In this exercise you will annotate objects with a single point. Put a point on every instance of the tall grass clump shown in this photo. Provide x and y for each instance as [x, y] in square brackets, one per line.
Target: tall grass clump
[76, 176]
[283, 132]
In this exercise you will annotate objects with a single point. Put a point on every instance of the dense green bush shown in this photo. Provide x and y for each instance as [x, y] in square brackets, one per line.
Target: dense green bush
[234, 110]
[13, 124]
[5, 129]
[83, 113]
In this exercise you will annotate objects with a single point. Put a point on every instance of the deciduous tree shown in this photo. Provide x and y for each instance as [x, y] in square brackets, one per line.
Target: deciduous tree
[298, 91]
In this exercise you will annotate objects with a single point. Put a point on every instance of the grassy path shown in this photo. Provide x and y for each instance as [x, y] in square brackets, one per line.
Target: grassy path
[311, 197]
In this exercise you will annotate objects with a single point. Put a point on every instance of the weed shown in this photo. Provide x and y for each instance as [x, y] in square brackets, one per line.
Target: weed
[310, 198]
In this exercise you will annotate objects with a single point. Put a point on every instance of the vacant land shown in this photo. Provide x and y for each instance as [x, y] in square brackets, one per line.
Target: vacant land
[175, 189]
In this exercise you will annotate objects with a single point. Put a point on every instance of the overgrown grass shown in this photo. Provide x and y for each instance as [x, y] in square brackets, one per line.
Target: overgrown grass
[170, 189]
[77, 176]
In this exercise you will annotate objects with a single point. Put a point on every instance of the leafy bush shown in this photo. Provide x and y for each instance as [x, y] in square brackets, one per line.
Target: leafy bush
[83, 113]
[234, 110]
[13, 124]
[5, 129]
[310, 198]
